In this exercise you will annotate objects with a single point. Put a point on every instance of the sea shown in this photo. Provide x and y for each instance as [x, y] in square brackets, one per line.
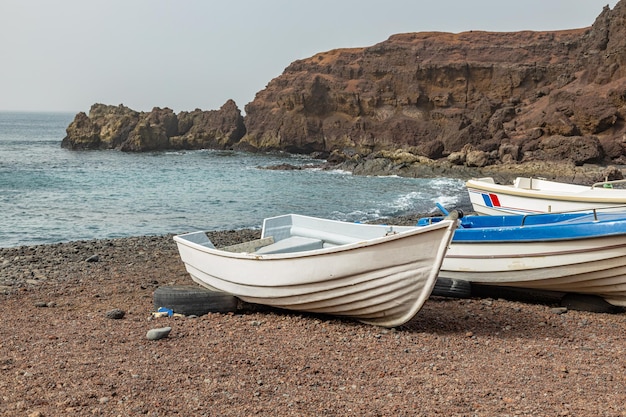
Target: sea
[49, 194]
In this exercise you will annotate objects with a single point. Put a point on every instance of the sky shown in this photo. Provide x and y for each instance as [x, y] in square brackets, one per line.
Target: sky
[66, 55]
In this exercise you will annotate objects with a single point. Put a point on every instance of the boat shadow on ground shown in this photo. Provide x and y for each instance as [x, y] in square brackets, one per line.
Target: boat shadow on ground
[480, 317]
[484, 317]
[475, 317]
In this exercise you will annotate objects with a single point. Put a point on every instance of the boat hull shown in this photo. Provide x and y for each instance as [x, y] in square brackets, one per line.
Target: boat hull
[568, 252]
[590, 266]
[529, 195]
[382, 281]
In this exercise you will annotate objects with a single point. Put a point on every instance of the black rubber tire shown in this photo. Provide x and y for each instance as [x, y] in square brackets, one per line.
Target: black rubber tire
[194, 300]
[592, 303]
[453, 288]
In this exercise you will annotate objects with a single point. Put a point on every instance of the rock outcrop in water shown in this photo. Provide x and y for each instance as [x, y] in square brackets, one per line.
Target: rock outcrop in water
[417, 102]
[119, 127]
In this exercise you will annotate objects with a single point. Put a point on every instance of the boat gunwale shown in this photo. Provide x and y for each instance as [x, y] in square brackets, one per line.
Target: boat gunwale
[451, 255]
[575, 226]
[478, 186]
[403, 234]
[530, 237]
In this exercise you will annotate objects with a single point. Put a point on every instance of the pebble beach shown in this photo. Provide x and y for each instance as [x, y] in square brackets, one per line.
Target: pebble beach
[63, 352]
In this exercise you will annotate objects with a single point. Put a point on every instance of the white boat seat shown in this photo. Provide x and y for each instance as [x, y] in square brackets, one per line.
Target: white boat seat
[292, 244]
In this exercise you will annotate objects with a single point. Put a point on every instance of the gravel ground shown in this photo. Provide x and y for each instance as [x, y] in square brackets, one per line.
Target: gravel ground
[61, 355]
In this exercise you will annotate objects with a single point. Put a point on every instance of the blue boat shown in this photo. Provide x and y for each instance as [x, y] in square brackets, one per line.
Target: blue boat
[582, 253]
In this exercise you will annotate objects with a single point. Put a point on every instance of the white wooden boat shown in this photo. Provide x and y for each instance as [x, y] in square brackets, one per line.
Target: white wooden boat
[581, 253]
[534, 195]
[377, 274]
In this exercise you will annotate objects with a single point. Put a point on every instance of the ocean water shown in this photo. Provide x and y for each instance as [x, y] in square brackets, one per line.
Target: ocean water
[49, 194]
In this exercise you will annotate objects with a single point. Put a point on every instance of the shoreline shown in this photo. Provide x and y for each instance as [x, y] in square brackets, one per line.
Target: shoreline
[28, 265]
[403, 220]
[501, 173]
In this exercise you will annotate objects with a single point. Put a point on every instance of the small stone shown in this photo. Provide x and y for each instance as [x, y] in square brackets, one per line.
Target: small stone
[559, 310]
[115, 314]
[41, 304]
[160, 333]
[93, 258]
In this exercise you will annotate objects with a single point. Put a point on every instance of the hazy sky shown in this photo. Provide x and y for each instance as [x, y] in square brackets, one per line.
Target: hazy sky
[65, 55]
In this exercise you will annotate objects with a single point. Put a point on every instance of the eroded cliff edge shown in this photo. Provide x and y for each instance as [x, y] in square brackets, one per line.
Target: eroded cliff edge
[442, 101]
[475, 98]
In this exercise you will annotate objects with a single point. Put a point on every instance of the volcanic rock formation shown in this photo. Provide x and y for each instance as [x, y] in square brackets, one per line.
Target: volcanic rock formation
[118, 127]
[467, 100]
[474, 98]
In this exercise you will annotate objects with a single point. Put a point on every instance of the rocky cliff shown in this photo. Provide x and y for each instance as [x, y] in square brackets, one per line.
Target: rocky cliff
[467, 100]
[119, 127]
[473, 98]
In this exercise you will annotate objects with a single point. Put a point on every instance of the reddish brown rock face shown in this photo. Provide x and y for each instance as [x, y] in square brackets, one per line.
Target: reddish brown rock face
[433, 94]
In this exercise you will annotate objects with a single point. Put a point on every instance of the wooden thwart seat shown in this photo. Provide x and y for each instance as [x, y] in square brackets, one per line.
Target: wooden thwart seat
[250, 246]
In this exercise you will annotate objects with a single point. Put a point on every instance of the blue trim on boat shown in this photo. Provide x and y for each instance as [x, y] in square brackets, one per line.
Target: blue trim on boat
[536, 227]
[487, 200]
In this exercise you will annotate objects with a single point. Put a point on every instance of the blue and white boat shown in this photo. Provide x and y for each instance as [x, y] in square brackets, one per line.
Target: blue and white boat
[535, 195]
[582, 253]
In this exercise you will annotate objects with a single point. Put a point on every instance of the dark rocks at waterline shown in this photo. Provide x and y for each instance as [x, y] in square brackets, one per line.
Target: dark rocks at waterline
[124, 129]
